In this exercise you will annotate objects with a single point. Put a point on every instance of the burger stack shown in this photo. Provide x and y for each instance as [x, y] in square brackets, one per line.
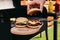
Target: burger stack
[23, 22]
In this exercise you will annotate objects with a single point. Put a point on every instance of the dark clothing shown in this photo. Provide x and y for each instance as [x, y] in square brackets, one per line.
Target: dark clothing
[4, 26]
[16, 3]
[27, 37]
[21, 12]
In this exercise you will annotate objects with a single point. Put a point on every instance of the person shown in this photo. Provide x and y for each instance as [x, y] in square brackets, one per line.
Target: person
[5, 8]
[16, 3]
[27, 37]
[39, 14]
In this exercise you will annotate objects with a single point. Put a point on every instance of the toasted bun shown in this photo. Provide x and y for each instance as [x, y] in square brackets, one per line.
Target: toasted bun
[34, 27]
[21, 19]
[33, 11]
[19, 26]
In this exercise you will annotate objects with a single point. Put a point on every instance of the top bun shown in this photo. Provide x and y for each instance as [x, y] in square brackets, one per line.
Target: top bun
[21, 19]
[33, 11]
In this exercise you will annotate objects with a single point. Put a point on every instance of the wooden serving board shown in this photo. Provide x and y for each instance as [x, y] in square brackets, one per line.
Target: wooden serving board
[24, 31]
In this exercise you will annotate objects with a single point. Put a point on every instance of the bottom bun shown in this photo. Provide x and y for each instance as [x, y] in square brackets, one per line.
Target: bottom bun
[34, 27]
[20, 26]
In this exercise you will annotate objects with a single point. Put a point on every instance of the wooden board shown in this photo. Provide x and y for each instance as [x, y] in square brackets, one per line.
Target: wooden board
[24, 31]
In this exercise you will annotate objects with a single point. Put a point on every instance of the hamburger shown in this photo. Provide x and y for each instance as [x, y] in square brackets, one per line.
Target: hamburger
[21, 22]
[50, 21]
[50, 18]
[34, 24]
